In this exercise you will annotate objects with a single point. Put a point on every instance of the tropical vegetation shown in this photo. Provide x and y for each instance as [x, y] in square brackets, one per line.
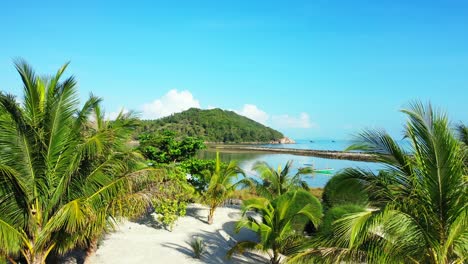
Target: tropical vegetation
[198, 247]
[65, 172]
[275, 182]
[67, 175]
[170, 193]
[223, 180]
[280, 225]
[213, 125]
[342, 189]
[167, 147]
[417, 210]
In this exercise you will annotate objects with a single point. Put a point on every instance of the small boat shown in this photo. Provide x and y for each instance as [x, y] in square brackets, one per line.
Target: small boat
[324, 171]
[327, 171]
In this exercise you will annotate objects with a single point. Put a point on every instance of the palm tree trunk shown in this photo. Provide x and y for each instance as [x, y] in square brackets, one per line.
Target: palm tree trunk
[276, 258]
[92, 248]
[11, 260]
[211, 215]
[37, 258]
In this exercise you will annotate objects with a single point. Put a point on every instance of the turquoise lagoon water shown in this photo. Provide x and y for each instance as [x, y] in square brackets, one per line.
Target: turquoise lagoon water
[247, 160]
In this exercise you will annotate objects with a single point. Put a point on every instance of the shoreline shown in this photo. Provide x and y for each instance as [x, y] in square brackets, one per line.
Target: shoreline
[328, 154]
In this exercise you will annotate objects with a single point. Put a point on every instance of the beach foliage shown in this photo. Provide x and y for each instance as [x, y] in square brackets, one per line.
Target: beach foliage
[335, 213]
[276, 225]
[65, 171]
[166, 147]
[223, 180]
[197, 169]
[343, 189]
[273, 182]
[170, 193]
[418, 209]
[198, 246]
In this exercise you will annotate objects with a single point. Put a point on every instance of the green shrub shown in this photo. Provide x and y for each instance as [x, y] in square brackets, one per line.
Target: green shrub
[171, 192]
[303, 198]
[198, 247]
[342, 189]
[336, 213]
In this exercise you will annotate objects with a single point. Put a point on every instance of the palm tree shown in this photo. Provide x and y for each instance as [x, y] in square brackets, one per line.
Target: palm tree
[221, 185]
[418, 207]
[63, 173]
[280, 229]
[132, 200]
[462, 133]
[275, 182]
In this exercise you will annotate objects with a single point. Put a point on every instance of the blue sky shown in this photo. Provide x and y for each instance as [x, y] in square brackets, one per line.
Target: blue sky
[312, 69]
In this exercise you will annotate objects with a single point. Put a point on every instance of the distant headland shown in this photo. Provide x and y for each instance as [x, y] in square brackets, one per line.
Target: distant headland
[216, 126]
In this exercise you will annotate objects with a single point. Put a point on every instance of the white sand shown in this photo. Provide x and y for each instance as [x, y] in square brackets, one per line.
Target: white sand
[145, 242]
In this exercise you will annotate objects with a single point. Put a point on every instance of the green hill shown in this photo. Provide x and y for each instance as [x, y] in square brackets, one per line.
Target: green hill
[214, 125]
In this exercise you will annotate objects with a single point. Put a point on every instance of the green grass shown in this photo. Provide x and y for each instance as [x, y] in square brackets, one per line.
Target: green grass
[198, 247]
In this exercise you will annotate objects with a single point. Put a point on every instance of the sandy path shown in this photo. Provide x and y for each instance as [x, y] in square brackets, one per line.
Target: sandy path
[145, 242]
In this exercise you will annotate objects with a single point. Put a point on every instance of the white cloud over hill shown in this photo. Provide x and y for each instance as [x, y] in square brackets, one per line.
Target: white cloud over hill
[172, 102]
[176, 101]
[253, 112]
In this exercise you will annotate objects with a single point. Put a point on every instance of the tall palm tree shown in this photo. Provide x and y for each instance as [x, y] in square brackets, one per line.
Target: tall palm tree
[62, 174]
[275, 182]
[278, 232]
[418, 208]
[222, 183]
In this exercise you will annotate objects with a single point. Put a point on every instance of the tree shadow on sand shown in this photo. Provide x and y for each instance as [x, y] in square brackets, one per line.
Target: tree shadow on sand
[149, 221]
[199, 213]
[218, 243]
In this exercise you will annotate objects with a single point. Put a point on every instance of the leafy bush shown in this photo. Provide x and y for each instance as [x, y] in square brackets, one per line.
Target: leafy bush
[336, 213]
[341, 189]
[166, 147]
[197, 169]
[198, 247]
[302, 199]
[171, 192]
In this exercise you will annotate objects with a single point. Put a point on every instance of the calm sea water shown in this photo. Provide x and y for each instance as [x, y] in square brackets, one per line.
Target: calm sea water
[247, 160]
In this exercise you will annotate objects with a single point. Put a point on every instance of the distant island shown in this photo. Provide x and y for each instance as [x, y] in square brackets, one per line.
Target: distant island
[215, 126]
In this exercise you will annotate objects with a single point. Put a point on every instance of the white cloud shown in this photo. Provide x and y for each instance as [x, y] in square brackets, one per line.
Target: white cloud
[176, 101]
[114, 115]
[276, 121]
[172, 102]
[254, 113]
[287, 121]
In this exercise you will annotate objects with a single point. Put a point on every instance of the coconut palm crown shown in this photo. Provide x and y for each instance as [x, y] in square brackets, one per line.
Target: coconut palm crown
[222, 181]
[64, 170]
[275, 182]
[418, 210]
[280, 224]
